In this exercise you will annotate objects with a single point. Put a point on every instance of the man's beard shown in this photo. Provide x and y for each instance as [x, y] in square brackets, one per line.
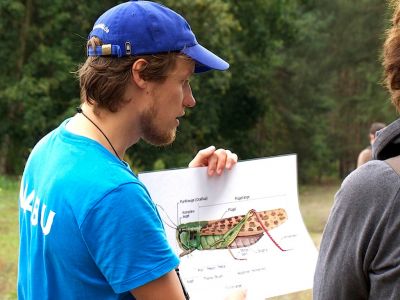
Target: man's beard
[152, 132]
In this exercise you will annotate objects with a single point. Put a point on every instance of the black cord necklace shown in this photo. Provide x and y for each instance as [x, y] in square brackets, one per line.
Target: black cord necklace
[79, 110]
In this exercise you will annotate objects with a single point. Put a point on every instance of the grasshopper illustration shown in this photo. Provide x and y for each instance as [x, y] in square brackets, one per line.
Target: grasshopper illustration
[229, 233]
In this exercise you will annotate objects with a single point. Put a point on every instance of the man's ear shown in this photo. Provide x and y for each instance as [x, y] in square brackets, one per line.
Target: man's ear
[138, 66]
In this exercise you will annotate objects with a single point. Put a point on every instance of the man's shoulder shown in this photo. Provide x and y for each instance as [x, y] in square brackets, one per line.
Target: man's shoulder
[373, 174]
[374, 182]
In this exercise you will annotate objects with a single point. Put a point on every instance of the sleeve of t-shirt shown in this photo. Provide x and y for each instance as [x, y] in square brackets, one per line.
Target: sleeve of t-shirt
[125, 236]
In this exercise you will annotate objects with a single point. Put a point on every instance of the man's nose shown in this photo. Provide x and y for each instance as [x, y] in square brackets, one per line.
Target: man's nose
[188, 100]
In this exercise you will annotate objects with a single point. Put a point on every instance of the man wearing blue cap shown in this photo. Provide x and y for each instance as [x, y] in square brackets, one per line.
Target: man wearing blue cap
[88, 227]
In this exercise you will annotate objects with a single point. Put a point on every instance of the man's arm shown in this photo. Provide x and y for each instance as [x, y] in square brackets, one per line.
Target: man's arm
[166, 287]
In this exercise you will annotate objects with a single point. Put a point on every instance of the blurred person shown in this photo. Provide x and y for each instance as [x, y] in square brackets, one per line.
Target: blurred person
[359, 254]
[88, 226]
[366, 154]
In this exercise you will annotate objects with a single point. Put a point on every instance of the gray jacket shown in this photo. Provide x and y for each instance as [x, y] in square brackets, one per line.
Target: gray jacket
[359, 254]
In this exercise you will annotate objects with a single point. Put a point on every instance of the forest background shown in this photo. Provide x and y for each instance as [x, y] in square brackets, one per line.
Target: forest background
[305, 78]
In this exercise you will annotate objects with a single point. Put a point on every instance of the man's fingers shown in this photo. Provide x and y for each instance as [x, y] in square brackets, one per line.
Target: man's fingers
[215, 160]
[212, 164]
[221, 160]
[231, 159]
[202, 157]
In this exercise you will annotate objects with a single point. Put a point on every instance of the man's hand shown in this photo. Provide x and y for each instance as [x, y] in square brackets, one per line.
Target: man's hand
[215, 160]
[237, 295]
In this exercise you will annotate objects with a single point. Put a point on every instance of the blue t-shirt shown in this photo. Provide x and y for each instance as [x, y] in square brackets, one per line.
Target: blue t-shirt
[88, 227]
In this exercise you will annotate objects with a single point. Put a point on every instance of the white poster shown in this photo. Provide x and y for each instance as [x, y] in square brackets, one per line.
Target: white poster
[242, 229]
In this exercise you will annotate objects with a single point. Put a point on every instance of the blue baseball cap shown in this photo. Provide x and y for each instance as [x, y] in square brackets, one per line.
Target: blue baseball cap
[145, 27]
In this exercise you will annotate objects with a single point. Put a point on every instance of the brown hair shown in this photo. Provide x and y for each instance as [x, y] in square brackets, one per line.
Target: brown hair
[391, 57]
[376, 126]
[103, 80]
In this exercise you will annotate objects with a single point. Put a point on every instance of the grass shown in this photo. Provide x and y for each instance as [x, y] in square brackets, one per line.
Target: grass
[9, 189]
[315, 203]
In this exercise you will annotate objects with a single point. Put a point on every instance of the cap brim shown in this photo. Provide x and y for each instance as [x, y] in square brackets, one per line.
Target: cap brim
[205, 59]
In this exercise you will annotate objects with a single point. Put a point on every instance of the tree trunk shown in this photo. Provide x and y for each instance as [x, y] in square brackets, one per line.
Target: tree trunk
[23, 37]
[6, 155]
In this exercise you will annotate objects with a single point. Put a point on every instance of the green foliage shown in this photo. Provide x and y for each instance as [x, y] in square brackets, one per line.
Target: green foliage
[354, 75]
[159, 164]
[304, 78]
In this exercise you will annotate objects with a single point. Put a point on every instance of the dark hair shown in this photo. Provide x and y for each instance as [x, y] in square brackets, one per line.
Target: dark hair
[103, 80]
